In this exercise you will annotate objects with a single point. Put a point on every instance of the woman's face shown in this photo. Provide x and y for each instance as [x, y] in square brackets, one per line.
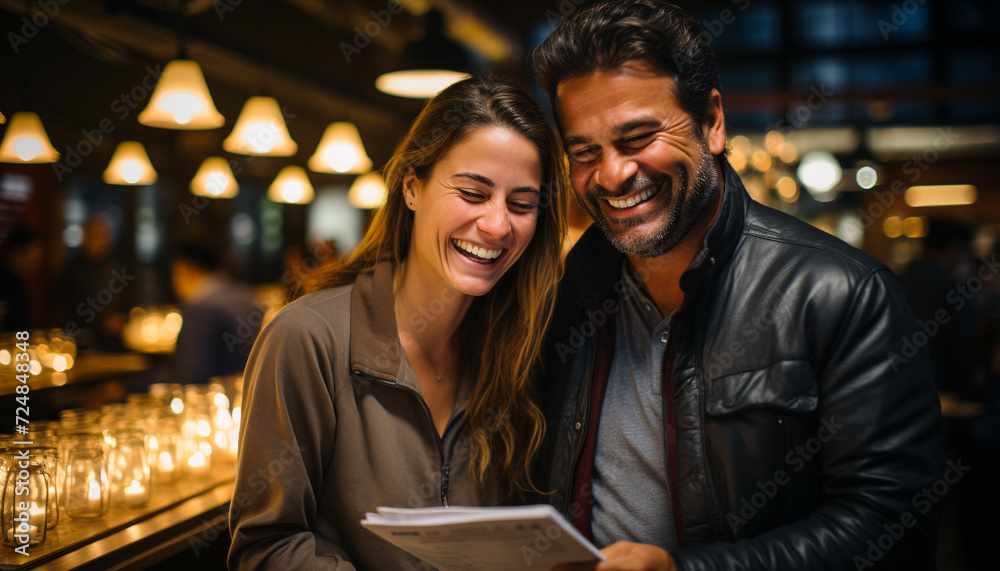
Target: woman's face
[477, 210]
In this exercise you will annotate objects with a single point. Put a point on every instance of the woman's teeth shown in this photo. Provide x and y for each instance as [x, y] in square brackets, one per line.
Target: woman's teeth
[632, 201]
[477, 251]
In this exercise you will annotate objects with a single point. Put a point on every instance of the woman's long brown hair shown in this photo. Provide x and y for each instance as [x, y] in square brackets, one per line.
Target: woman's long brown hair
[501, 336]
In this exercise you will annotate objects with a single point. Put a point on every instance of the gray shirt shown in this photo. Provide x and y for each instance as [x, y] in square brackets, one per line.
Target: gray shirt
[630, 485]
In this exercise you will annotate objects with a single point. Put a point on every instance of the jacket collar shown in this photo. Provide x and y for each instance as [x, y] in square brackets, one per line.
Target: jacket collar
[593, 266]
[725, 233]
[375, 349]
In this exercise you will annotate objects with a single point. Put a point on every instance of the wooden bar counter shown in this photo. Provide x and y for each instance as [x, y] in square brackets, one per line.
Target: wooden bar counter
[190, 514]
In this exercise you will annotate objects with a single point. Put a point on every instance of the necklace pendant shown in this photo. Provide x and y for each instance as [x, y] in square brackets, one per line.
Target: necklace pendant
[439, 379]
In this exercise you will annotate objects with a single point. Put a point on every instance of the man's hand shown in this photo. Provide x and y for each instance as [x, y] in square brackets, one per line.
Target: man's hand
[627, 556]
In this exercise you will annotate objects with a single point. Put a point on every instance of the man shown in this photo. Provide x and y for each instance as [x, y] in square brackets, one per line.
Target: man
[221, 319]
[719, 389]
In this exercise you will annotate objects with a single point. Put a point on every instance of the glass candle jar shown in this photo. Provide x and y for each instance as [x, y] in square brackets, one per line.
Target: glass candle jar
[86, 485]
[196, 433]
[24, 505]
[128, 467]
[43, 435]
[164, 448]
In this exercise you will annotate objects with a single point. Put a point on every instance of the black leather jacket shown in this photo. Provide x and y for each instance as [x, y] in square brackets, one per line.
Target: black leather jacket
[801, 433]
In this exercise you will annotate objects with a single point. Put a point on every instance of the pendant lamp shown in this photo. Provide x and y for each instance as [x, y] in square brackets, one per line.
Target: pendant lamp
[340, 151]
[291, 186]
[429, 64]
[214, 179]
[260, 130]
[25, 141]
[130, 165]
[181, 100]
[368, 191]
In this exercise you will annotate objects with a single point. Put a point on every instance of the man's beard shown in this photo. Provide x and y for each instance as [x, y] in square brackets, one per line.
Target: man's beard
[684, 213]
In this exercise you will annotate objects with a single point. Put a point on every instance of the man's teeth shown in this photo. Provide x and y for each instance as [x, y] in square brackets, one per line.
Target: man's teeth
[477, 251]
[632, 201]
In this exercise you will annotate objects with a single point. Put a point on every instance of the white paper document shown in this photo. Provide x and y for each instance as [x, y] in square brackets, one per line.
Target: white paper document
[484, 539]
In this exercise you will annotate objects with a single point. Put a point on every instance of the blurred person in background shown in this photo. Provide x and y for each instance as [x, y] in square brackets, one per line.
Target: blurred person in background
[221, 319]
[21, 257]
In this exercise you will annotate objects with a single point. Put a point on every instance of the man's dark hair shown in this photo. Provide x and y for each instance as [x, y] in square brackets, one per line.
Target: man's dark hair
[197, 253]
[609, 33]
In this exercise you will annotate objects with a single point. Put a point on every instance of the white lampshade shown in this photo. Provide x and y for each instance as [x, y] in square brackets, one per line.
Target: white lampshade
[214, 179]
[130, 165]
[181, 100]
[260, 130]
[820, 172]
[368, 191]
[417, 83]
[291, 186]
[26, 141]
[340, 151]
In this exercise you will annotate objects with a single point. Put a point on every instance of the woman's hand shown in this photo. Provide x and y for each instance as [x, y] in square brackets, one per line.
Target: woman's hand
[627, 556]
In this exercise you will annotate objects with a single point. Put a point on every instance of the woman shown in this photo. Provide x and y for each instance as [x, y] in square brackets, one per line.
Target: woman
[458, 270]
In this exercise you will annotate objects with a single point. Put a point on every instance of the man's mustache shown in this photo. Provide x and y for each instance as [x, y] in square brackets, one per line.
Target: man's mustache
[636, 183]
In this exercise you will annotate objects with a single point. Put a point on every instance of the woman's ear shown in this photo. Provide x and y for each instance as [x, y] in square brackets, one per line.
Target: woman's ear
[411, 186]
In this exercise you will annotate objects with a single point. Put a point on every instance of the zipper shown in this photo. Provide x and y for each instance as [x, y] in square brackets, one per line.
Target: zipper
[445, 466]
[445, 474]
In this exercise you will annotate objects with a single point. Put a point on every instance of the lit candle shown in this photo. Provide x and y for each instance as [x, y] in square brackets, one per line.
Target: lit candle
[36, 514]
[135, 493]
[197, 464]
[20, 531]
[94, 496]
[165, 462]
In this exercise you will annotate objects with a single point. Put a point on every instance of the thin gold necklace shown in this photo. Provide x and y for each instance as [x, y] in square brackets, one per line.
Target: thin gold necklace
[416, 336]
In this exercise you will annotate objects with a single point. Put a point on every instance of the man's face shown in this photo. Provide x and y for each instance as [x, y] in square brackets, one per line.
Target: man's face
[639, 165]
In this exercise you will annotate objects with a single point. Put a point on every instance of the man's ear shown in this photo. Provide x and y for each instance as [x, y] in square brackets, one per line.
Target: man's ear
[714, 126]
[411, 186]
